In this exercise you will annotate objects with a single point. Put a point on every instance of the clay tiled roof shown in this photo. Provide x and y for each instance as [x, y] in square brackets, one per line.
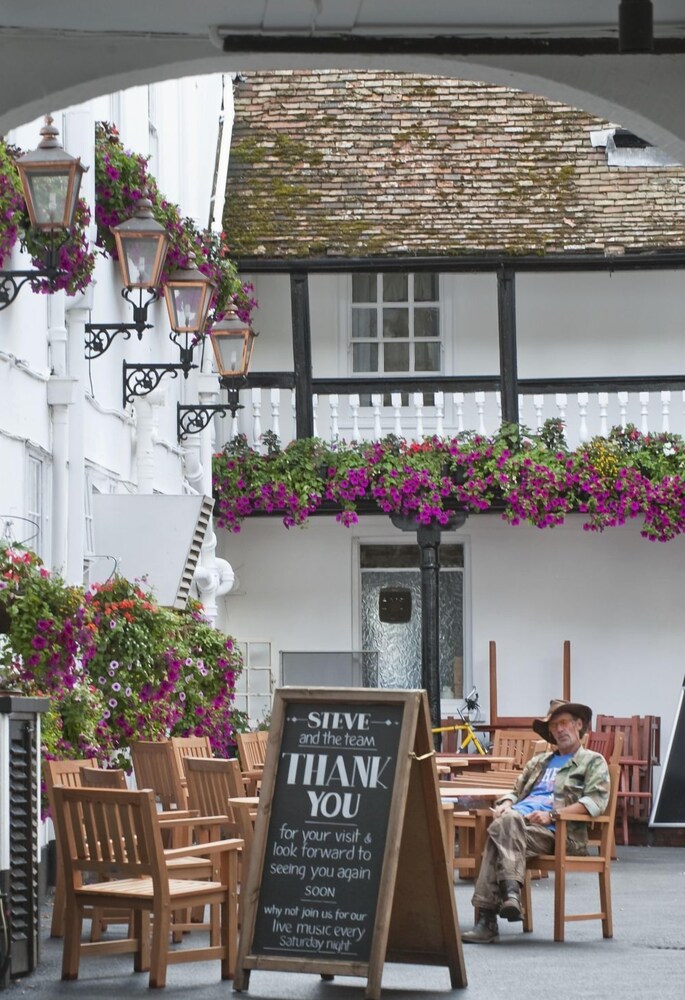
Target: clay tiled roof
[370, 163]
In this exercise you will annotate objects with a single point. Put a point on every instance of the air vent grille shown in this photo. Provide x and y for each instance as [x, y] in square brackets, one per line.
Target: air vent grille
[23, 823]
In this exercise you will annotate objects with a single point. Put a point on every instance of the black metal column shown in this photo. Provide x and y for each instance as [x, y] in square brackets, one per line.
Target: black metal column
[302, 354]
[428, 537]
[508, 365]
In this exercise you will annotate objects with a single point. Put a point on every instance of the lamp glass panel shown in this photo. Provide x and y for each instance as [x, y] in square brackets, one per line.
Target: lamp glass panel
[49, 192]
[229, 350]
[185, 305]
[141, 255]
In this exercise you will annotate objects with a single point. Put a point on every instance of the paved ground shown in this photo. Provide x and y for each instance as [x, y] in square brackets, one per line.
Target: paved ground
[645, 957]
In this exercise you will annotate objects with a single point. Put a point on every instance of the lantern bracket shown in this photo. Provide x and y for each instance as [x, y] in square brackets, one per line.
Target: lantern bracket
[141, 380]
[100, 336]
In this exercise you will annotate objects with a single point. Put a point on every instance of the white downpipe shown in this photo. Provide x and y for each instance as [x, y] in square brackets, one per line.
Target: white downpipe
[214, 577]
[145, 451]
[79, 140]
[59, 401]
[77, 317]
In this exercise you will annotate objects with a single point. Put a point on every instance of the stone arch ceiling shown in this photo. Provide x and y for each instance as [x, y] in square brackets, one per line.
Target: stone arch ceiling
[56, 54]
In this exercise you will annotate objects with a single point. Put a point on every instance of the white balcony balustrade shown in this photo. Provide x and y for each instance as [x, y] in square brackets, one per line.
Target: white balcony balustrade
[415, 415]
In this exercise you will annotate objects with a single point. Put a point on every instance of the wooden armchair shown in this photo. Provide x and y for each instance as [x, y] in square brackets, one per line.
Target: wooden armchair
[186, 866]
[209, 792]
[69, 773]
[562, 864]
[116, 835]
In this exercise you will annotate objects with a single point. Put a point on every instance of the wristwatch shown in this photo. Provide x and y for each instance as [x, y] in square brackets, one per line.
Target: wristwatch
[554, 815]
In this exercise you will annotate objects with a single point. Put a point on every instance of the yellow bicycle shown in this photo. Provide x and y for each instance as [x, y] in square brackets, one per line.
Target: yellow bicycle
[464, 726]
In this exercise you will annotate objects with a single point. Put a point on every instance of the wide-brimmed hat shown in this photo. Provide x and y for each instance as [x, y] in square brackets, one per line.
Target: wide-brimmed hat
[556, 707]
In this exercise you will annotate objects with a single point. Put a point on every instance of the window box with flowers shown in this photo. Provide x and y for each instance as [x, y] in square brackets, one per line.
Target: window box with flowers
[526, 477]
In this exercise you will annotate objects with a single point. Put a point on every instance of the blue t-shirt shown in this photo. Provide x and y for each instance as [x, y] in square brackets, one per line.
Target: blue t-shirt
[541, 796]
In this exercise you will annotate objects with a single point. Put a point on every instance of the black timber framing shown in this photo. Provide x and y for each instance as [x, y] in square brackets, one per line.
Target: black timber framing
[506, 268]
[302, 354]
[506, 315]
[349, 44]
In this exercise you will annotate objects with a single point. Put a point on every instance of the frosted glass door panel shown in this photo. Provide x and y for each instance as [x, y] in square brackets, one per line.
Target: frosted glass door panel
[399, 645]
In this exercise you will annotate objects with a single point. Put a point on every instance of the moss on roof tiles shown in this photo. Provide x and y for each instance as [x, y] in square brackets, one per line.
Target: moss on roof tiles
[358, 164]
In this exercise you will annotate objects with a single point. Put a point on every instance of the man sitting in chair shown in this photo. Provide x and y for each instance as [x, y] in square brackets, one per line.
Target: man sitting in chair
[569, 778]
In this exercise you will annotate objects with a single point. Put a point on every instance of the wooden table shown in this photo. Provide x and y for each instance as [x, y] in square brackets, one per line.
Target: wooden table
[457, 762]
[248, 803]
[473, 792]
[470, 825]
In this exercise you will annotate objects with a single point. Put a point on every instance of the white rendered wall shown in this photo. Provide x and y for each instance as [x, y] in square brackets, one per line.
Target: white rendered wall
[186, 115]
[615, 596]
[581, 324]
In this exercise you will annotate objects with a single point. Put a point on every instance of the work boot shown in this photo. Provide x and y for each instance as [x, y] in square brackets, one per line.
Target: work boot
[511, 908]
[485, 931]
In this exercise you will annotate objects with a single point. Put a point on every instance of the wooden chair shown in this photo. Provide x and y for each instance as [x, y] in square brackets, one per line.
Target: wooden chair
[470, 825]
[116, 835]
[155, 767]
[104, 777]
[470, 829]
[252, 756]
[635, 791]
[245, 818]
[209, 792]
[600, 742]
[562, 864]
[189, 746]
[70, 774]
[211, 782]
[518, 744]
[498, 721]
[180, 867]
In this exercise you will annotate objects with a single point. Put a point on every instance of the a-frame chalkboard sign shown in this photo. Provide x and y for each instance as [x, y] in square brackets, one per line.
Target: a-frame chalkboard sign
[348, 866]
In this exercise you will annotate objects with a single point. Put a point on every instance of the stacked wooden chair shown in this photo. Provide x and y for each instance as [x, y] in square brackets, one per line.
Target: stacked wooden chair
[252, 756]
[641, 737]
[155, 766]
[189, 746]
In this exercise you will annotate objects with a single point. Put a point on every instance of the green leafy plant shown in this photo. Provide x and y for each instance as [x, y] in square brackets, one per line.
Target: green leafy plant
[12, 205]
[527, 477]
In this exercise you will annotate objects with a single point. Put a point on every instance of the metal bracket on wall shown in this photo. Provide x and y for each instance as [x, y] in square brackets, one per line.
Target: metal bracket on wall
[141, 380]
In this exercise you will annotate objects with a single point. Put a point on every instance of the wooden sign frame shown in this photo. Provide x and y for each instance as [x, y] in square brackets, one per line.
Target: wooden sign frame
[410, 888]
[669, 803]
